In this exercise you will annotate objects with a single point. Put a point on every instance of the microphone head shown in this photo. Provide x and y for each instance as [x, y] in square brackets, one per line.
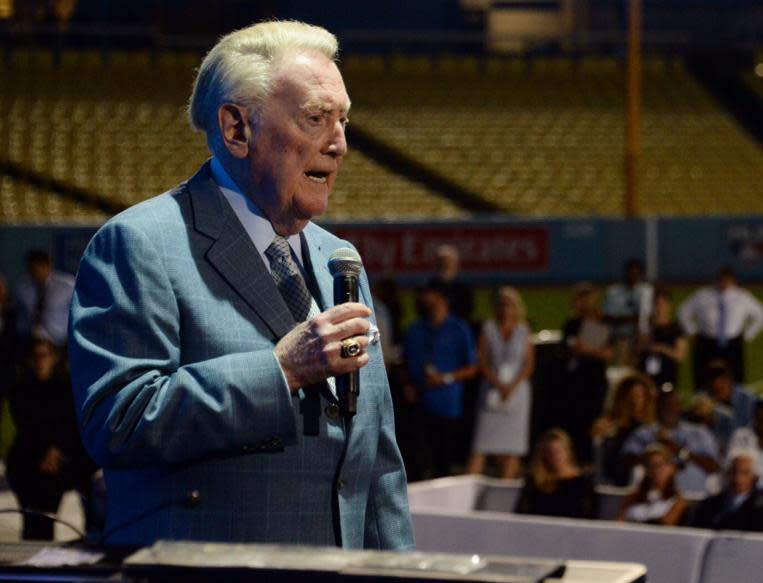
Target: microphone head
[345, 261]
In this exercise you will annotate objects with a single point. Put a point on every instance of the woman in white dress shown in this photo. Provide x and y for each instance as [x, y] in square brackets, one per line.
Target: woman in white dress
[507, 359]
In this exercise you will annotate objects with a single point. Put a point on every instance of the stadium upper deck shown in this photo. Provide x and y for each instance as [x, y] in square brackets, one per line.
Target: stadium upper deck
[529, 137]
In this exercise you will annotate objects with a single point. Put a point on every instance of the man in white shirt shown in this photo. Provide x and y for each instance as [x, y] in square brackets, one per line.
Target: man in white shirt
[42, 300]
[722, 317]
[627, 308]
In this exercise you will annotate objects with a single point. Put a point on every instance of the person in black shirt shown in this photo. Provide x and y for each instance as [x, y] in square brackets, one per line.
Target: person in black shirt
[556, 486]
[47, 457]
[665, 348]
[587, 347]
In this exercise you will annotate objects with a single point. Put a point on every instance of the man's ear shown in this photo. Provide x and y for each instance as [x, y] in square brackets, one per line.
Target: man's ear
[235, 131]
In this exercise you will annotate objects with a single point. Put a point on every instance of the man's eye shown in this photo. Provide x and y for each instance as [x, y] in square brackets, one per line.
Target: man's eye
[345, 121]
[315, 118]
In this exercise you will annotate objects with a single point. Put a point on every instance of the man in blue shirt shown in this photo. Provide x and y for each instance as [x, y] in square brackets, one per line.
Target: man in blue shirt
[728, 396]
[440, 355]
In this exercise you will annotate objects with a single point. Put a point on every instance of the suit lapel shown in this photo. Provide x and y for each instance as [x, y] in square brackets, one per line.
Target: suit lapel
[234, 256]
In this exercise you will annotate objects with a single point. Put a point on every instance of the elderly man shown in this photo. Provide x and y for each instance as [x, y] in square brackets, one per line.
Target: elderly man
[204, 343]
[740, 505]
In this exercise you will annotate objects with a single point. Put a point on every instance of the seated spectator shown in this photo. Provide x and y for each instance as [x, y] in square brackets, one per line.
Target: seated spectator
[507, 360]
[664, 348]
[751, 438]
[587, 342]
[47, 457]
[728, 394]
[740, 505]
[657, 499]
[556, 486]
[694, 448]
[632, 407]
[718, 419]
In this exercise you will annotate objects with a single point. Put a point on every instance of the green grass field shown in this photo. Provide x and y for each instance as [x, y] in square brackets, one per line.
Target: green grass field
[548, 307]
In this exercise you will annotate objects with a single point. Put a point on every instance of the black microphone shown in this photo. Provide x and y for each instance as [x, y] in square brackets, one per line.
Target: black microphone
[345, 266]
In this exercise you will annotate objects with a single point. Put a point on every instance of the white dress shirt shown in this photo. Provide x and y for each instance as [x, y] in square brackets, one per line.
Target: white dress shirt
[260, 231]
[256, 225]
[700, 313]
[55, 317]
[623, 301]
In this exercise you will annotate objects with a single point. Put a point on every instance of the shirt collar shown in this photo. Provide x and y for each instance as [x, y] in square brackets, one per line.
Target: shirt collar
[252, 218]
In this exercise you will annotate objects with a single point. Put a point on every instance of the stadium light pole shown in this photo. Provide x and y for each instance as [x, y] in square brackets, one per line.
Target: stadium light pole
[633, 110]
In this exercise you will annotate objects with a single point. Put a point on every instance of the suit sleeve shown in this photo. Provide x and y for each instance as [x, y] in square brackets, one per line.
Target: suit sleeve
[137, 405]
[388, 520]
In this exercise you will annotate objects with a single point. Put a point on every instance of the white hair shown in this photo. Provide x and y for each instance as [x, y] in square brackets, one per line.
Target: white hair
[748, 452]
[239, 69]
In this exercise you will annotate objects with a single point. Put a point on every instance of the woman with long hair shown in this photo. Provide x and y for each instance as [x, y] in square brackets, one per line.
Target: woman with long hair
[656, 499]
[632, 406]
[507, 359]
[555, 485]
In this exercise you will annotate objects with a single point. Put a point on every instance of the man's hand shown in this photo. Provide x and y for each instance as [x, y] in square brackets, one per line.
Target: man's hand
[311, 352]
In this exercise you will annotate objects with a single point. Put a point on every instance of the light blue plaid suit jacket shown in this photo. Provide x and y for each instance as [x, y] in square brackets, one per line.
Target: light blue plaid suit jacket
[172, 329]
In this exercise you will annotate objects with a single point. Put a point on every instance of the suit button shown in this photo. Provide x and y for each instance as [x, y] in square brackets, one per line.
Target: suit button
[332, 411]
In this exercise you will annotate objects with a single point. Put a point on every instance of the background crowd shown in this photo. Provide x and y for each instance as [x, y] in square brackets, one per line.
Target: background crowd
[46, 457]
[611, 413]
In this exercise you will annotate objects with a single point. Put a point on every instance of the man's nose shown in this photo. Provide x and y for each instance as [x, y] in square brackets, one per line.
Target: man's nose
[337, 144]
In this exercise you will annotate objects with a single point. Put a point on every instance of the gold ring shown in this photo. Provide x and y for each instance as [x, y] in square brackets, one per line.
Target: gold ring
[350, 348]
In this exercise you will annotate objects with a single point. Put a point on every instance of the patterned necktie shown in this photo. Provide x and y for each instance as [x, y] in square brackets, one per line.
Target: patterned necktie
[288, 278]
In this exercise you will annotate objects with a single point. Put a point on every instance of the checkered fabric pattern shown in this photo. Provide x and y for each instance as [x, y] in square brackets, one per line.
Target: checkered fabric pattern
[288, 278]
